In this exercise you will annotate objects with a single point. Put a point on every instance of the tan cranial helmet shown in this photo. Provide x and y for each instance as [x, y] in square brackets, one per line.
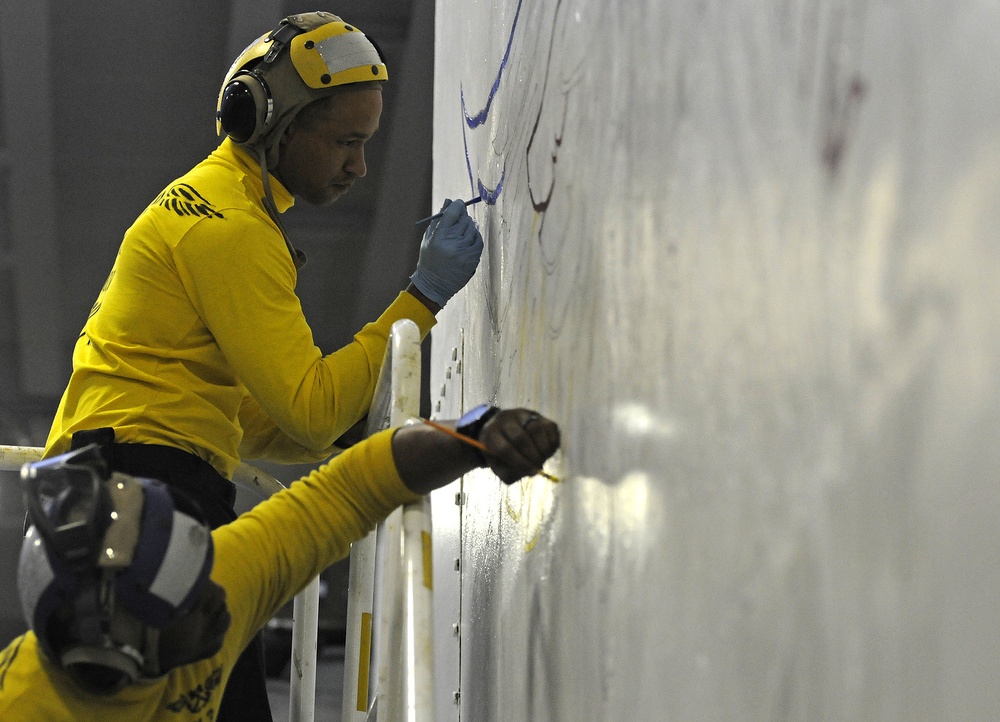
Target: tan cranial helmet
[307, 57]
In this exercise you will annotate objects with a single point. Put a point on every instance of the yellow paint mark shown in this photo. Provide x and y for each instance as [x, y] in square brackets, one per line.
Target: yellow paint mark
[364, 659]
[528, 504]
[425, 538]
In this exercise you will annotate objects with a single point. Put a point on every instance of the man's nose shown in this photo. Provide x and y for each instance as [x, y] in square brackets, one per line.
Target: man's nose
[356, 163]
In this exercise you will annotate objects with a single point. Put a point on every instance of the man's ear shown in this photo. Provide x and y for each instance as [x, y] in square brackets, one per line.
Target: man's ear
[288, 132]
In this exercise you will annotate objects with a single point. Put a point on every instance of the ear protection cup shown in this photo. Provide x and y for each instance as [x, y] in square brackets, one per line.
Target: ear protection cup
[246, 108]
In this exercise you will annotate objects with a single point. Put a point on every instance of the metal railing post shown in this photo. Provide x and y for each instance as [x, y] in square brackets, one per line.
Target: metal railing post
[359, 656]
[397, 601]
[305, 649]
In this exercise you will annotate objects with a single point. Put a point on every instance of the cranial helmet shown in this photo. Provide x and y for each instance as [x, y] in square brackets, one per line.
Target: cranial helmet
[307, 57]
[108, 561]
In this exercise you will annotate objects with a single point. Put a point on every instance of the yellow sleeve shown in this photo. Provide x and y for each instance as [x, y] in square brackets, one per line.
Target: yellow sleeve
[262, 439]
[269, 554]
[242, 285]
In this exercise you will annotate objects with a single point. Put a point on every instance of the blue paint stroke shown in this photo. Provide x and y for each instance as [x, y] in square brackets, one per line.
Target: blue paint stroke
[480, 117]
[489, 195]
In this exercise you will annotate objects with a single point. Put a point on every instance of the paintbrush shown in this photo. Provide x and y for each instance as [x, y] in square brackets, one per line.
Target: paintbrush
[439, 213]
[477, 444]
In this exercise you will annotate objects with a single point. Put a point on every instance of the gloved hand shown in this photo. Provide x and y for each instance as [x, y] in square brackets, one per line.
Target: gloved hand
[518, 441]
[449, 253]
[514, 443]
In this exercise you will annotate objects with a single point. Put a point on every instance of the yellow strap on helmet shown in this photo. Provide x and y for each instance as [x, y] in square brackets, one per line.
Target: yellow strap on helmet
[336, 54]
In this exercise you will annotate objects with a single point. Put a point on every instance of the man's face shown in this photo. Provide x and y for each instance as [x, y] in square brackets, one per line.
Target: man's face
[323, 150]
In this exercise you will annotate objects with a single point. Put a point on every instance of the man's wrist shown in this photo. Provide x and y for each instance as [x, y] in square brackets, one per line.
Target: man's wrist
[418, 294]
[427, 459]
[472, 422]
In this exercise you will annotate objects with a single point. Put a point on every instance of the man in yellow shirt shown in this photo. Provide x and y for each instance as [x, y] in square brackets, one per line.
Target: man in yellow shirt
[120, 631]
[196, 353]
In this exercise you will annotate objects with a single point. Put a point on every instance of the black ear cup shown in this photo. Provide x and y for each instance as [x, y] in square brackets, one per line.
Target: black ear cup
[246, 108]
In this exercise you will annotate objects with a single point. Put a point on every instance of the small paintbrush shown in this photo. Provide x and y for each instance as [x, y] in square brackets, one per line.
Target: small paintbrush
[477, 444]
[438, 214]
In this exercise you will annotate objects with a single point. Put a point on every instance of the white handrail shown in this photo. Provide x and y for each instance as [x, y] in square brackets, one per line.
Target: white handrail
[396, 604]
[305, 649]
[358, 637]
[409, 688]
[358, 653]
[418, 578]
[12, 458]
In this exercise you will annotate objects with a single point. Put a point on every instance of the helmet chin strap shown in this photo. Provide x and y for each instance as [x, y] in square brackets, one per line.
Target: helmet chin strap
[128, 652]
[298, 257]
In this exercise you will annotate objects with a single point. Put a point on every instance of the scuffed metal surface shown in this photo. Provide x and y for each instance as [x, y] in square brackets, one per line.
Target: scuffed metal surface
[745, 255]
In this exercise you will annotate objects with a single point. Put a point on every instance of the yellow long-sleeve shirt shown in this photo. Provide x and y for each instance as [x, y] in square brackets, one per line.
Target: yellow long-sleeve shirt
[262, 560]
[198, 341]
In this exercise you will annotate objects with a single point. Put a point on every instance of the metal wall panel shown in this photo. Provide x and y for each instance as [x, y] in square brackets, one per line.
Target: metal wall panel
[745, 254]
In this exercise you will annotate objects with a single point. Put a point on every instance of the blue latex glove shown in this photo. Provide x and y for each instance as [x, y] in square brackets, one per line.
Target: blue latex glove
[449, 253]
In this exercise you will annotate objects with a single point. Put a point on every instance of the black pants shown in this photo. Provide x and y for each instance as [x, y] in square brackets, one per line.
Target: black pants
[245, 697]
